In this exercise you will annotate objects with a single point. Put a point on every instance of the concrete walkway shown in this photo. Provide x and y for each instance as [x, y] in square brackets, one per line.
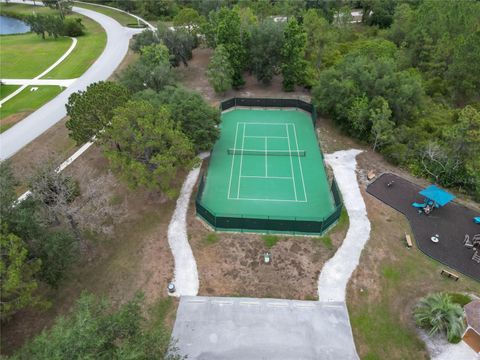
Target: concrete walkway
[118, 37]
[38, 82]
[185, 271]
[216, 328]
[336, 272]
[45, 72]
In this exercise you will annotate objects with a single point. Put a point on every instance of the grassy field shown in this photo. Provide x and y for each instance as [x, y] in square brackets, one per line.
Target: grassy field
[6, 90]
[16, 48]
[88, 49]
[121, 17]
[26, 102]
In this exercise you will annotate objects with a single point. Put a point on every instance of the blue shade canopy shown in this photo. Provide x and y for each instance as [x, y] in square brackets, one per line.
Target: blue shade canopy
[439, 196]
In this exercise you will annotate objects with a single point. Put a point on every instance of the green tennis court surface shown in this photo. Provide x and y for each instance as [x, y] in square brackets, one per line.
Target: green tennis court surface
[267, 164]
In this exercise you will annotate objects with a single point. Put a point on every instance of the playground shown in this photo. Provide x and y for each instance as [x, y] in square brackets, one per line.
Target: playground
[439, 230]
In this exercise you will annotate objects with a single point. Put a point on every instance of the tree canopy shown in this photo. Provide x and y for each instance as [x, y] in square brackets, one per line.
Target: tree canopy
[146, 147]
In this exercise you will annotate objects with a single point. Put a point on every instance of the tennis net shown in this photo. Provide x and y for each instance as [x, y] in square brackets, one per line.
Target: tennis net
[232, 151]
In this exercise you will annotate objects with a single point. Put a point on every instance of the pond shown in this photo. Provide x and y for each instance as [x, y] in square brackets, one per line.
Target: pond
[10, 25]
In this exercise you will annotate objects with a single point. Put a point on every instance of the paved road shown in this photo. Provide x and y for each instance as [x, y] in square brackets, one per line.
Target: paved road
[215, 328]
[49, 114]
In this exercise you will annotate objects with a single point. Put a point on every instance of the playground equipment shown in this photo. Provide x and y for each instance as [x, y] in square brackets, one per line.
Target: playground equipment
[434, 198]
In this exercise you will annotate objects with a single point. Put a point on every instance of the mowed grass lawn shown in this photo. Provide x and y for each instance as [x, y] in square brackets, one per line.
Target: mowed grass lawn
[120, 16]
[6, 90]
[25, 56]
[89, 47]
[24, 103]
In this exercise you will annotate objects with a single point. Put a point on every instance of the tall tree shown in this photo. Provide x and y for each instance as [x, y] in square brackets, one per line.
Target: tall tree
[197, 119]
[152, 71]
[17, 271]
[95, 329]
[91, 110]
[228, 33]
[319, 35]
[265, 50]
[146, 147]
[293, 53]
[179, 42]
[220, 71]
[382, 126]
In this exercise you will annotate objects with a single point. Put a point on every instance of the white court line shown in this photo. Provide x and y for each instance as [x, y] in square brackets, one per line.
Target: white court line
[241, 162]
[266, 177]
[258, 123]
[233, 161]
[288, 200]
[266, 156]
[291, 165]
[300, 163]
[266, 137]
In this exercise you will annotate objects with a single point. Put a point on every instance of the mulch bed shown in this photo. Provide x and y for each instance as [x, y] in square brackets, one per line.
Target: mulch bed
[450, 222]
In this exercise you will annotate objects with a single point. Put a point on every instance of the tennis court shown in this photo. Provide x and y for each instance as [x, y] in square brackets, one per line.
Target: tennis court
[266, 165]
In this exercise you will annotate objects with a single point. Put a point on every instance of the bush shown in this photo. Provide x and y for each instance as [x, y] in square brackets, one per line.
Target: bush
[460, 299]
[270, 240]
[438, 313]
[73, 27]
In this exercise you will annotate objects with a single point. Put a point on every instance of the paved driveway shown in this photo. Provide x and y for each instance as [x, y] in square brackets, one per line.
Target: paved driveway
[216, 328]
[49, 114]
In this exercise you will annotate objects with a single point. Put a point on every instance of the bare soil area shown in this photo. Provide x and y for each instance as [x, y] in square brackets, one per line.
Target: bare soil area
[194, 78]
[231, 264]
[127, 248]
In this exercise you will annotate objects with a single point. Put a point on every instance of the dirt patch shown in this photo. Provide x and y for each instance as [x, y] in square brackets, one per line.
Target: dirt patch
[14, 118]
[53, 145]
[231, 264]
[194, 78]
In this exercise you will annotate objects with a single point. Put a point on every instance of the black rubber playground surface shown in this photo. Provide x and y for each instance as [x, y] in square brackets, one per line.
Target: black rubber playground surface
[451, 223]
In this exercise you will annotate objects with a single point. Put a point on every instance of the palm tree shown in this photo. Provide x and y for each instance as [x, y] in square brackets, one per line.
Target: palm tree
[438, 313]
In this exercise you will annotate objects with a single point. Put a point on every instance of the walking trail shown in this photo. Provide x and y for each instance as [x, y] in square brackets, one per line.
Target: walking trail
[335, 274]
[185, 272]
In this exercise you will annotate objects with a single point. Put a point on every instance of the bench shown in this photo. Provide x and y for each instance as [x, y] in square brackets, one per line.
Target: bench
[449, 274]
[409, 240]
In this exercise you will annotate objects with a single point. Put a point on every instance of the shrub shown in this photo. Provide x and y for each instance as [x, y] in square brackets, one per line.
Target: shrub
[73, 27]
[270, 240]
[460, 299]
[438, 313]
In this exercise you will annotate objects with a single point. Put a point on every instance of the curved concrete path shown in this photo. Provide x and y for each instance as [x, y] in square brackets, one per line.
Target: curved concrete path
[185, 273]
[27, 82]
[35, 124]
[336, 272]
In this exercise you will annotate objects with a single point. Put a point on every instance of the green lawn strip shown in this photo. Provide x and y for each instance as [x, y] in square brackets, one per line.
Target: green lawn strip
[12, 9]
[89, 47]
[270, 240]
[6, 90]
[24, 56]
[27, 101]
[123, 18]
